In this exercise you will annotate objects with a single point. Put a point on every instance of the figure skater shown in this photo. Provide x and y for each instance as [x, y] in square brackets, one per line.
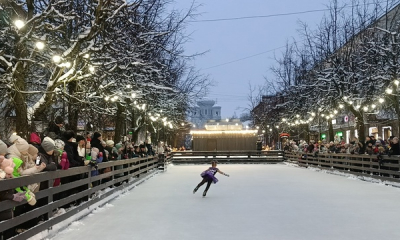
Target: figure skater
[209, 177]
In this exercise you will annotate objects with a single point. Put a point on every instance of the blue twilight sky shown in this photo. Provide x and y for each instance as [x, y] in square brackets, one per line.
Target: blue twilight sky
[227, 41]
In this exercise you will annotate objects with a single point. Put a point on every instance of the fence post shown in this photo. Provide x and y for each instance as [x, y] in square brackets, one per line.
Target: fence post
[50, 199]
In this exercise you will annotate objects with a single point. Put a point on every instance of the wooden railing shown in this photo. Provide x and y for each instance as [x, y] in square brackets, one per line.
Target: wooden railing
[361, 165]
[121, 171]
[227, 156]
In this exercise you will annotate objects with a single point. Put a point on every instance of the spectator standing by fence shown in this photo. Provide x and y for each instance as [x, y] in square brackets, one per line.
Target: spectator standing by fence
[96, 142]
[55, 128]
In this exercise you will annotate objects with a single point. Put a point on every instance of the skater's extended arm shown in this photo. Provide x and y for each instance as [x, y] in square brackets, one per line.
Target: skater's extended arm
[223, 173]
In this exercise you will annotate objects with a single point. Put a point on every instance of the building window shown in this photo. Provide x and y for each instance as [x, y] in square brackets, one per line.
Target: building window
[216, 113]
[195, 113]
[205, 112]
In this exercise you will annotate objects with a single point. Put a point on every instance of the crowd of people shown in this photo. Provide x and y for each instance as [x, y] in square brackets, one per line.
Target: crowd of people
[371, 146]
[52, 150]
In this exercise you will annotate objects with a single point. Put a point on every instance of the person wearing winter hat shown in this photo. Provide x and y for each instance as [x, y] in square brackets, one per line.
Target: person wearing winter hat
[109, 148]
[59, 144]
[97, 157]
[27, 153]
[72, 149]
[13, 138]
[62, 162]
[3, 148]
[46, 155]
[10, 167]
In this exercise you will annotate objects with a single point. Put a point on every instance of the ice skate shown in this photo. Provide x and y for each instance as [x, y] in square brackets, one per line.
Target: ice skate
[195, 190]
[204, 193]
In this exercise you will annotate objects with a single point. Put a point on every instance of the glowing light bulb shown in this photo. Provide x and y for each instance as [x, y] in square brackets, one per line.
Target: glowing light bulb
[39, 45]
[19, 24]
[56, 58]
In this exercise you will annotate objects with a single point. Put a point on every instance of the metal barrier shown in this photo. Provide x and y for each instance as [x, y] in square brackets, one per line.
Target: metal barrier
[362, 165]
[121, 171]
[227, 156]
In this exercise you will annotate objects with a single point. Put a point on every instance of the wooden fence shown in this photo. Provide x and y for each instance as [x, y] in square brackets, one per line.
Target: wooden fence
[121, 171]
[361, 165]
[227, 156]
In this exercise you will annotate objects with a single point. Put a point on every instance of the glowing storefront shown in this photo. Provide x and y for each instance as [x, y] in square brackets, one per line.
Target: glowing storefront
[225, 135]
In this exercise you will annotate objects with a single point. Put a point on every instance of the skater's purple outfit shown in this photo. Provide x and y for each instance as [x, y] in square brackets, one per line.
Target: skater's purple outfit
[210, 174]
[209, 177]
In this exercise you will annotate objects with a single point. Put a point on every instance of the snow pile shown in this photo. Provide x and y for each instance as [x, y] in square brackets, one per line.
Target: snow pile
[73, 222]
[348, 175]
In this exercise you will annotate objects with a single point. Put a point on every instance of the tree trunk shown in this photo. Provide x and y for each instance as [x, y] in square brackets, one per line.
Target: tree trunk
[331, 135]
[361, 130]
[73, 109]
[19, 99]
[119, 123]
[21, 119]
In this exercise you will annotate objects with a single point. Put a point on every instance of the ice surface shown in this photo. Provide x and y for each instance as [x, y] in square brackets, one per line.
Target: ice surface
[274, 202]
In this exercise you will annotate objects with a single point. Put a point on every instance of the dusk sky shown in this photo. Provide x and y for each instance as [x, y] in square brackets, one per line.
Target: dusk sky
[228, 41]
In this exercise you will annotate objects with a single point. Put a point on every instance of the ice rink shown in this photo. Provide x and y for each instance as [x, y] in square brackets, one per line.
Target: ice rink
[265, 202]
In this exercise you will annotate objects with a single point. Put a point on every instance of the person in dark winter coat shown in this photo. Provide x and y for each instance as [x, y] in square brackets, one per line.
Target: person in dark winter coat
[46, 155]
[395, 147]
[55, 127]
[96, 142]
[71, 148]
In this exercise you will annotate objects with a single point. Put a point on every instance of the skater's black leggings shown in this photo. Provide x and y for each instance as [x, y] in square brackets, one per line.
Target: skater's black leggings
[205, 180]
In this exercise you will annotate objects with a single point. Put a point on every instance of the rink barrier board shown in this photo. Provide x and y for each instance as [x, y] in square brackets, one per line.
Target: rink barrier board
[133, 168]
[361, 165]
[227, 156]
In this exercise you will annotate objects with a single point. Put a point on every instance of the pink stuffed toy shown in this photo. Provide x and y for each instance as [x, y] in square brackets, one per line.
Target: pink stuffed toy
[7, 165]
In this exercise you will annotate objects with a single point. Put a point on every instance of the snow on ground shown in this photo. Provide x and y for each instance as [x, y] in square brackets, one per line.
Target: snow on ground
[277, 202]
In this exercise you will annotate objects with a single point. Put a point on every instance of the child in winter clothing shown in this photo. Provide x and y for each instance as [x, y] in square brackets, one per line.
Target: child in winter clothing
[62, 159]
[10, 168]
[97, 157]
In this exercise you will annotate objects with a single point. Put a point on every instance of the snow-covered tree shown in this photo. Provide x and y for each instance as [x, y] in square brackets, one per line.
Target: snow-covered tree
[95, 57]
